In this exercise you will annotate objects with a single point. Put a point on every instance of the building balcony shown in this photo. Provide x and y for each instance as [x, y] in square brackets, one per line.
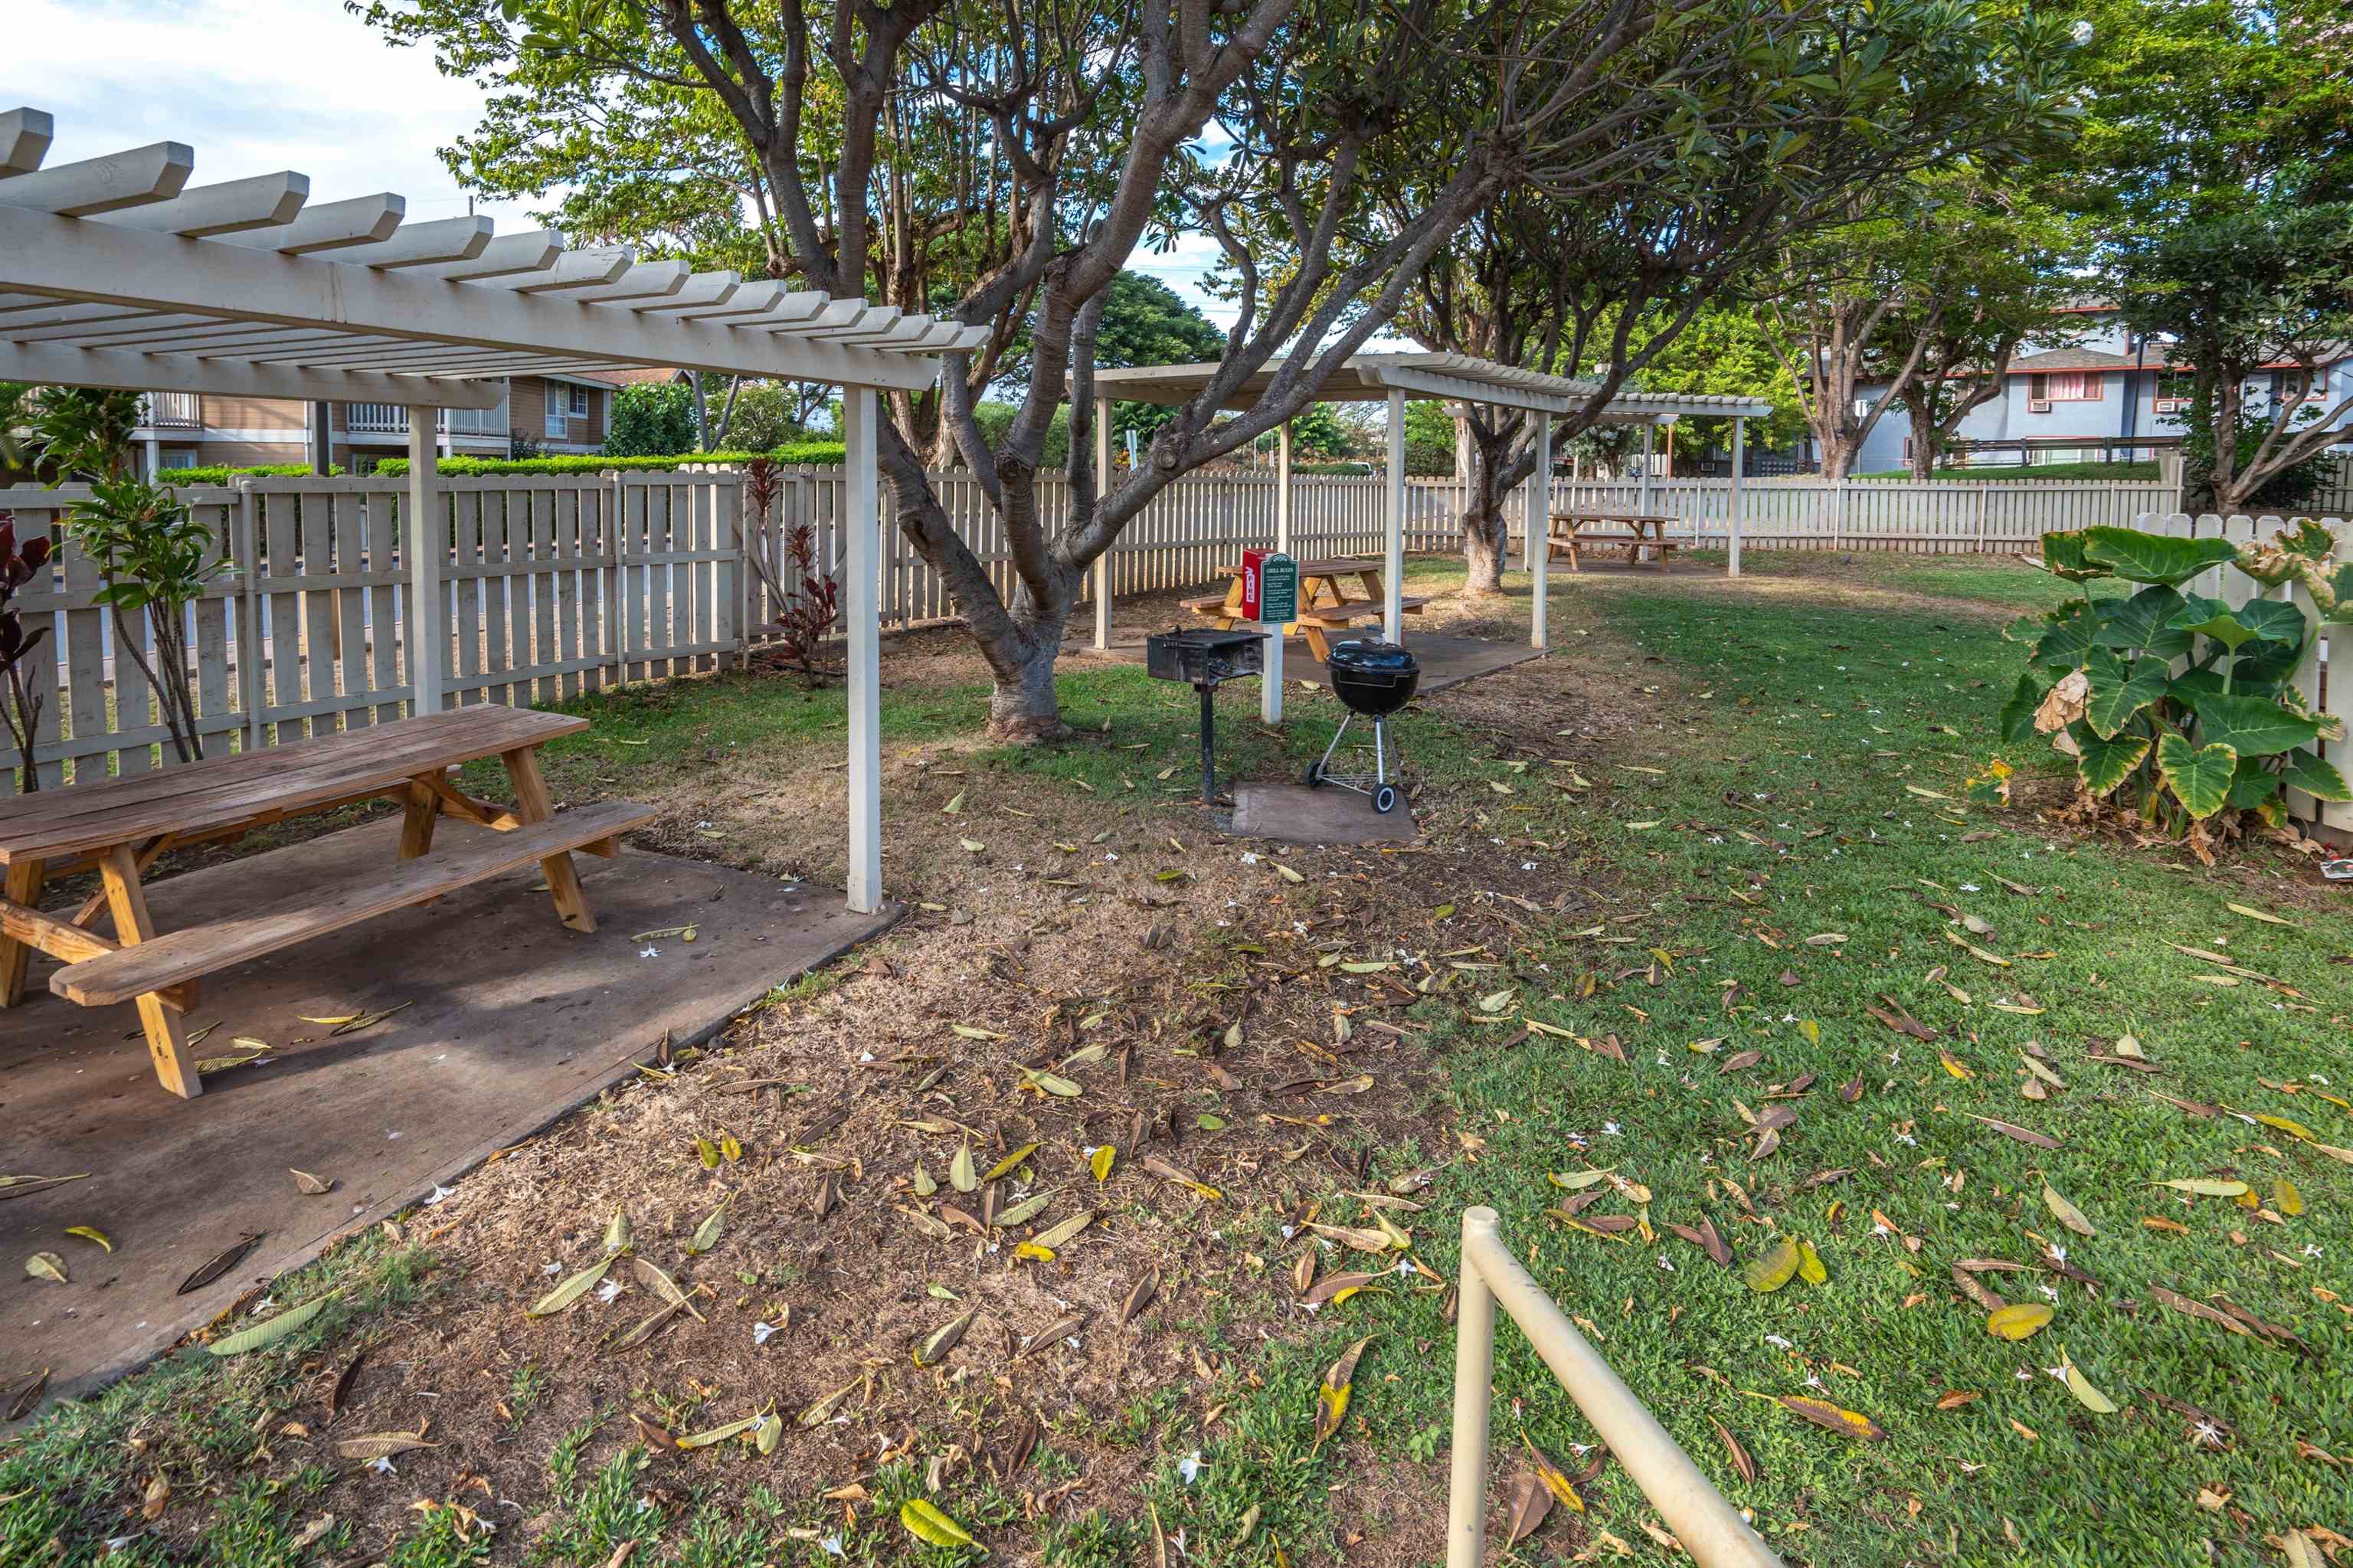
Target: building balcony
[391, 420]
[172, 411]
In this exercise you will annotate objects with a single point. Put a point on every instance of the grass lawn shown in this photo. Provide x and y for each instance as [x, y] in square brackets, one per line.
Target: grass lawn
[1667, 877]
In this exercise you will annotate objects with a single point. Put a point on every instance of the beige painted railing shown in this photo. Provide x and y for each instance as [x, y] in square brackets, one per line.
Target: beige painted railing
[1710, 1527]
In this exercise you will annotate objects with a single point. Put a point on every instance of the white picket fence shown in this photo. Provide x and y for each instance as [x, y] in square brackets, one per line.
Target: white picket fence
[558, 585]
[2234, 587]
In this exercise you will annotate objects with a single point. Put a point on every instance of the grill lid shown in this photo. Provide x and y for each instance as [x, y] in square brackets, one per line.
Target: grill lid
[1372, 657]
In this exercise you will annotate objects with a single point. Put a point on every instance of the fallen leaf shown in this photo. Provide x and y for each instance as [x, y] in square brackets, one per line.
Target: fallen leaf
[2018, 1321]
[1769, 1271]
[564, 1295]
[929, 1525]
[372, 1445]
[1830, 1417]
[46, 1265]
[219, 1264]
[270, 1331]
[2065, 1212]
[1338, 1386]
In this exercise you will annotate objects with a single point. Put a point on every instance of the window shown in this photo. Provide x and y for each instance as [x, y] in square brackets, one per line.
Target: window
[2044, 387]
[2174, 388]
[182, 458]
[555, 424]
[579, 402]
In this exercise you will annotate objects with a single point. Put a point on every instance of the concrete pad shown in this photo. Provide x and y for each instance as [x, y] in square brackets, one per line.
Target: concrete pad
[510, 1021]
[1445, 660]
[1294, 814]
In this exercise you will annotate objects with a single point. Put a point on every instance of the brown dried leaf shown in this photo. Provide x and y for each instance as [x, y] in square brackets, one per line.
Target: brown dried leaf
[341, 1391]
[1741, 1462]
[1527, 1502]
[943, 1339]
[1138, 1300]
[1831, 1418]
[219, 1264]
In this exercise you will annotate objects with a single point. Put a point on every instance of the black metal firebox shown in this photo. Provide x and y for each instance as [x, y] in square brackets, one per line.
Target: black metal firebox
[1205, 658]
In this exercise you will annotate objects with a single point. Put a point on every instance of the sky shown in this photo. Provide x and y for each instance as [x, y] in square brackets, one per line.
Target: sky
[257, 85]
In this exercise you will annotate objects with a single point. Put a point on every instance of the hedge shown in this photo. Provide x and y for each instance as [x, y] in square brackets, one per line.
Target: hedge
[814, 453]
[221, 473]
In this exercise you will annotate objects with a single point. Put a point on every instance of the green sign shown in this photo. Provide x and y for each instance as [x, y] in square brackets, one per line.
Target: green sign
[1278, 591]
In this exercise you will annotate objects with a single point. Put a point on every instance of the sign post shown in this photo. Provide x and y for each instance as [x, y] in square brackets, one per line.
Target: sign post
[1271, 601]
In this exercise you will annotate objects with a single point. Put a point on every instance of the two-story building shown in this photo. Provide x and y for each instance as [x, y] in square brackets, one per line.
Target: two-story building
[2105, 394]
[566, 414]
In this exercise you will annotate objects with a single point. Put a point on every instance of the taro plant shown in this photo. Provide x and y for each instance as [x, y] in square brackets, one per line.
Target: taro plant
[19, 563]
[2176, 705]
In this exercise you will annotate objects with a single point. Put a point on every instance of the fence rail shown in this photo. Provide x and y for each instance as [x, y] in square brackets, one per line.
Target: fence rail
[1710, 1528]
[559, 584]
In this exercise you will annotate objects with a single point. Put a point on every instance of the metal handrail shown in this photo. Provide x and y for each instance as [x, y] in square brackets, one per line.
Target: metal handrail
[1709, 1527]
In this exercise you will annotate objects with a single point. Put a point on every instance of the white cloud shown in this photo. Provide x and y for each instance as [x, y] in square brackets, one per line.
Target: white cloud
[254, 86]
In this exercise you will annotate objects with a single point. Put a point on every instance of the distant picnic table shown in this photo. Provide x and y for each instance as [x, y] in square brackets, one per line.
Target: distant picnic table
[1572, 533]
[1325, 605]
[121, 826]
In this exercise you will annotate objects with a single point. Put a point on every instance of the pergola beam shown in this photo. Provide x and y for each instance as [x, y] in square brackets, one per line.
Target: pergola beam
[52, 365]
[265, 201]
[24, 136]
[328, 225]
[153, 173]
[44, 254]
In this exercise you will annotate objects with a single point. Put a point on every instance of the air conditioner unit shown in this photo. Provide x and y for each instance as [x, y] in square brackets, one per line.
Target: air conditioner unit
[2171, 405]
[2038, 405]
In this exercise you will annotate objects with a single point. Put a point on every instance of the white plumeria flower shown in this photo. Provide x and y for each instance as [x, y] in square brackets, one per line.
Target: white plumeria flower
[1249, 857]
[833, 1543]
[1907, 1138]
[2058, 1373]
[552, 1268]
[440, 1196]
[1968, 887]
[1878, 1229]
[1611, 1129]
[2206, 1432]
[607, 1291]
[1189, 1467]
[2310, 1250]
[383, 1466]
[2048, 1292]
[1664, 1265]
[760, 1333]
[649, 952]
[1778, 1340]
[2026, 1374]
[1813, 1380]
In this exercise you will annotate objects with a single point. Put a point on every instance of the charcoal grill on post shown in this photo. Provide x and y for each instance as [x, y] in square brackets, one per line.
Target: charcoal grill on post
[1206, 658]
[1374, 680]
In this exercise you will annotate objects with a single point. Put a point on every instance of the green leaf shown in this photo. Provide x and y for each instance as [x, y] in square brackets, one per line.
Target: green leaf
[2251, 785]
[2154, 558]
[270, 1331]
[2315, 776]
[2066, 638]
[2199, 776]
[2064, 553]
[2017, 722]
[2253, 726]
[2119, 691]
[2144, 621]
[2102, 762]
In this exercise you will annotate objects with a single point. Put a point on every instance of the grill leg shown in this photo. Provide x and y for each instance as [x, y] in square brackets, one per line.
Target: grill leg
[1380, 753]
[1337, 736]
[1209, 743]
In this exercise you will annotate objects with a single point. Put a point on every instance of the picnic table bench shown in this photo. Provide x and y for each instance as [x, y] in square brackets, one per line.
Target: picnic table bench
[121, 826]
[1325, 603]
[1571, 533]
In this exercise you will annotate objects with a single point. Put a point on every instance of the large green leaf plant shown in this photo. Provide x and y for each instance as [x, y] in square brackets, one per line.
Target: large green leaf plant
[2177, 707]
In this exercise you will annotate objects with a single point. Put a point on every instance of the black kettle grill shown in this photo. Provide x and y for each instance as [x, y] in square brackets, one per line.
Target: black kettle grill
[1374, 678]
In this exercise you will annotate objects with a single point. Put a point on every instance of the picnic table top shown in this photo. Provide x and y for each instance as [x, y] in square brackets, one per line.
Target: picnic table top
[1606, 515]
[221, 792]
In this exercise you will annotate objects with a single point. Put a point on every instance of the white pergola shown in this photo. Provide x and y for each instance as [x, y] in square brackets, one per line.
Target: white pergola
[116, 272]
[1395, 378]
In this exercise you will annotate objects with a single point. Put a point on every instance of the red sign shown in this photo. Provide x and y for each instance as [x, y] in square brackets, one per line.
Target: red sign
[1253, 581]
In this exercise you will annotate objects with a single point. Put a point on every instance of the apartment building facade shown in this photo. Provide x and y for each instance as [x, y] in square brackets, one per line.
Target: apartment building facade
[565, 414]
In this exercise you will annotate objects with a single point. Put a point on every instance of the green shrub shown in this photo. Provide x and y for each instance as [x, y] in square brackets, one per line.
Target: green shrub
[2176, 706]
[650, 419]
[221, 473]
[813, 454]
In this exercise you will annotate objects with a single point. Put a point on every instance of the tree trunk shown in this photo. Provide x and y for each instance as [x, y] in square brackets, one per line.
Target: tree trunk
[1486, 547]
[1924, 443]
[1838, 458]
[1023, 706]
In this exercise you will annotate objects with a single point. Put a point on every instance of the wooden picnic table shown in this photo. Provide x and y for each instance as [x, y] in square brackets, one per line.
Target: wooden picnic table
[1633, 531]
[119, 827]
[1325, 605]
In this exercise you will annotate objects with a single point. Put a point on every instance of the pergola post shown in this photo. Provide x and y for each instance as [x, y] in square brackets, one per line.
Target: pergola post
[426, 542]
[1269, 684]
[1393, 556]
[1739, 425]
[860, 524]
[1103, 488]
[1539, 531]
[1650, 440]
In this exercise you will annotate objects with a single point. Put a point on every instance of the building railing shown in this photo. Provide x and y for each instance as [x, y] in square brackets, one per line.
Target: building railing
[1710, 1527]
[391, 420]
[173, 411]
